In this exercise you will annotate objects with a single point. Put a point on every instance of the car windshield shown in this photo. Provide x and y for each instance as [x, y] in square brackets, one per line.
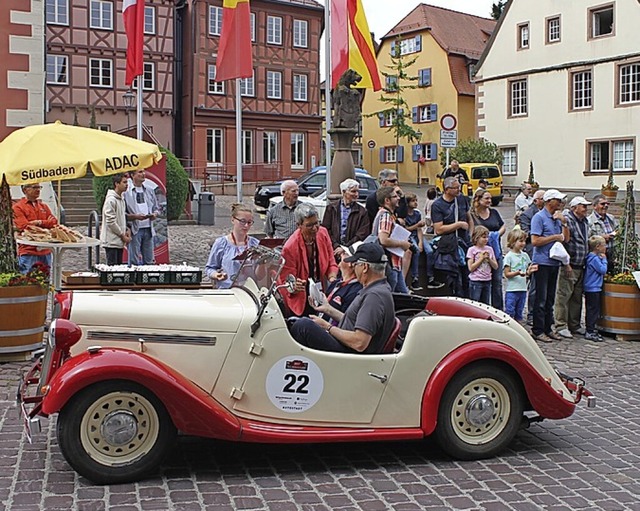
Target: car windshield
[262, 265]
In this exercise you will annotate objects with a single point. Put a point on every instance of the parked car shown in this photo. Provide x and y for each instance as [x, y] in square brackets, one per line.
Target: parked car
[309, 183]
[318, 199]
[490, 172]
[222, 364]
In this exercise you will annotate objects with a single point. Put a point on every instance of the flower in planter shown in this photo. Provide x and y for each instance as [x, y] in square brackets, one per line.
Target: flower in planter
[531, 179]
[422, 160]
[625, 253]
[38, 275]
[610, 185]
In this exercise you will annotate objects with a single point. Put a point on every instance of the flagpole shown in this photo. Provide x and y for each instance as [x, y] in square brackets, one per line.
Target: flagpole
[238, 142]
[139, 109]
[327, 92]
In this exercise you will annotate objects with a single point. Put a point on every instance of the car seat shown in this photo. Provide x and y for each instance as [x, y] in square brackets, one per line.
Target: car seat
[393, 337]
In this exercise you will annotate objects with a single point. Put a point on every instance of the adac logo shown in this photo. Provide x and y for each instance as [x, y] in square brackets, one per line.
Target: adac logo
[121, 162]
[296, 365]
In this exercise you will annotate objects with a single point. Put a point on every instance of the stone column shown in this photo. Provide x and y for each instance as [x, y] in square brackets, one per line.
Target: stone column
[342, 164]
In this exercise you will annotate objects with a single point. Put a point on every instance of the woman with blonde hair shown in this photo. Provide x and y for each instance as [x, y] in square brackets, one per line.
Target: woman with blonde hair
[222, 264]
[483, 214]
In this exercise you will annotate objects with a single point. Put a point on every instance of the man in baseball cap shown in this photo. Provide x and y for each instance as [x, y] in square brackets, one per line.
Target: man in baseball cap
[568, 307]
[367, 323]
[554, 194]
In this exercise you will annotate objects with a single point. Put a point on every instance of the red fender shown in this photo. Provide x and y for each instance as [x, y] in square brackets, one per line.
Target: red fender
[546, 401]
[193, 411]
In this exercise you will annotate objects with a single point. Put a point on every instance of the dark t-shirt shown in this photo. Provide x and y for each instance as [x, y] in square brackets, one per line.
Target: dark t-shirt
[413, 219]
[372, 312]
[444, 211]
[343, 293]
[373, 207]
[493, 223]
[459, 174]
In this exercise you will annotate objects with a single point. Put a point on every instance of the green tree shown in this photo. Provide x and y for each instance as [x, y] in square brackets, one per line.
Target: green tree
[398, 81]
[473, 150]
[497, 9]
[8, 255]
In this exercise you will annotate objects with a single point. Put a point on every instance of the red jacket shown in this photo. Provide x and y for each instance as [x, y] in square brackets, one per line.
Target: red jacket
[296, 264]
[23, 213]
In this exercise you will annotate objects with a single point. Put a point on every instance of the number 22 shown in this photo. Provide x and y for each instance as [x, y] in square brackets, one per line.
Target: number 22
[303, 381]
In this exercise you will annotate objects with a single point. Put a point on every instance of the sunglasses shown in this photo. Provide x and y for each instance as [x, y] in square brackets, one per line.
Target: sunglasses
[243, 221]
[604, 203]
[392, 180]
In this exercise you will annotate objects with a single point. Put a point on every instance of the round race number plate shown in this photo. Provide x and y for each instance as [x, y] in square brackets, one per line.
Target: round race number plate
[294, 384]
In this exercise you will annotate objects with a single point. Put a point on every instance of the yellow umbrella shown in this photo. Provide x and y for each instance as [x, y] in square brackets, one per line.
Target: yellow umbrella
[52, 152]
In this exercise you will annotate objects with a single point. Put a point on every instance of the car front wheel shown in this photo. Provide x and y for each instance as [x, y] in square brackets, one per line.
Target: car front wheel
[114, 432]
[480, 412]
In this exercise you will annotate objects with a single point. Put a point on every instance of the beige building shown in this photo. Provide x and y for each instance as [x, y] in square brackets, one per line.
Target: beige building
[559, 85]
[447, 45]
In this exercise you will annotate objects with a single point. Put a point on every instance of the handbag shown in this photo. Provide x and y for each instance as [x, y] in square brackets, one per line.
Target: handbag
[559, 253]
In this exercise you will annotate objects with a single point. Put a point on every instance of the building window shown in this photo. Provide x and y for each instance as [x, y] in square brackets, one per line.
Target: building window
[149, 20]
[581, 90]
[57, 12]
[100, 72]
[274, 30]
[509, 161]
[101, 15]
[215, 20]
[149, 76]
[426, 150]
[274, 85]
[390, 118]
[629, 77]
[214, 145]
[247, 87]
[619, 153]
[300, 33]
[269, 147]
[425, 113]
[601, 21]
[409, 45]
[213, 86]
[104, 127]
[523, 36]
[252, 17]
[518, 98]
[390, 83]
[247, 146]
[297, 150]
[424, 77]
[57, 69]
[553, 30]
[299, 87]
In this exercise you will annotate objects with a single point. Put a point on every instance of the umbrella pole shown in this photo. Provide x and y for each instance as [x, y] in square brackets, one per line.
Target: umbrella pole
[58, 200]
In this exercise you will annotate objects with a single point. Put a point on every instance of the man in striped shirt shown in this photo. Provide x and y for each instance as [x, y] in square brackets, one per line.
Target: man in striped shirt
[281, 221]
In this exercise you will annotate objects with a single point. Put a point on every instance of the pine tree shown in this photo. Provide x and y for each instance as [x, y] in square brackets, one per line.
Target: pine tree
[626, 244]
[497, 9]
[8, 255]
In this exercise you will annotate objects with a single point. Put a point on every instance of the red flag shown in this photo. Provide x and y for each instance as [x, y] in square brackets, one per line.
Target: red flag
[133, 14]
[351, 44]
[234, 51]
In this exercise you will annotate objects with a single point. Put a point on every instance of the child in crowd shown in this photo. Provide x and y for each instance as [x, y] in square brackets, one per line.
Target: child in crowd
[414, 224]
[517, 266]
[595, 268]
[480, 260]
[432, 195]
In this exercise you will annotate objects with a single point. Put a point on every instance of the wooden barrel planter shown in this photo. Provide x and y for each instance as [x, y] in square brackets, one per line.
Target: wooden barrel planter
[23, 312]
[609, 194]
[620, 313]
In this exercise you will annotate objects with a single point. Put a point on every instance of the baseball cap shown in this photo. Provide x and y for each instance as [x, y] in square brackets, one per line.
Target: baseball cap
[368, 253]
[553, 194]
[351, 249]
[578, 200]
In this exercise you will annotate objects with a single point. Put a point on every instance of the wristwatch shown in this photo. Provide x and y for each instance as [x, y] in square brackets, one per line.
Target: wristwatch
[329, 329]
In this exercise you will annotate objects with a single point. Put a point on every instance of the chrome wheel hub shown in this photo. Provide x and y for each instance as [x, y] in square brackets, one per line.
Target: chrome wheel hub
[479, 410]
[119, 428]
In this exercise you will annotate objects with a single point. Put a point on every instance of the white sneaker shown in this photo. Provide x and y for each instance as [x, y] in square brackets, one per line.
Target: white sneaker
[580, 331]
[565, 333]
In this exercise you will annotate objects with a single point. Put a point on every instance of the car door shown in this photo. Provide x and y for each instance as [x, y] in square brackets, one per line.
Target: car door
[287, 381]
[313, 183]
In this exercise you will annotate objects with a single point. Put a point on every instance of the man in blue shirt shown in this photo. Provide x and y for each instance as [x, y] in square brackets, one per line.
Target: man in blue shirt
[547, 227]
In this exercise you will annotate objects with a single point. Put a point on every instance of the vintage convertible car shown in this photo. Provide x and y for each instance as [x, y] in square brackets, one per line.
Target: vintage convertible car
[127, 370]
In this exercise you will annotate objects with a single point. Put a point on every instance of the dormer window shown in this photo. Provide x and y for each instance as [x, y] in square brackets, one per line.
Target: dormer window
[523, 36]
[601, 21]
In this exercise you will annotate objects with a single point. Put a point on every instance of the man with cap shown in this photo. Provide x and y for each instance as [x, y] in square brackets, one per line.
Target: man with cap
[568, 308]
[601, 223]
[345, 219]
[547, 226]
[367, 323]
[524, 220]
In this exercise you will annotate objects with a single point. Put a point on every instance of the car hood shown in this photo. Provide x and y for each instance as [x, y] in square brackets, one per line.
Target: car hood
[210, 311]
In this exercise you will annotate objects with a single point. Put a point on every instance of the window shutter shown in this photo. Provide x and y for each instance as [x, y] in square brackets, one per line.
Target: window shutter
[414, 114]
[382, 155]
[400, 112]
[433, 150]
[427, 77]
[381, 119]
[416, 152]
[393, 48]
[433, 112]
[400, 153]
[418, 43]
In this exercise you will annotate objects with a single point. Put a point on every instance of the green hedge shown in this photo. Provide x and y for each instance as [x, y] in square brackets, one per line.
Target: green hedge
[177, 186]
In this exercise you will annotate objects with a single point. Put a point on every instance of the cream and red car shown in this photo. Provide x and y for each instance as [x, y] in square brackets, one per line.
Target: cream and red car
[128, 370]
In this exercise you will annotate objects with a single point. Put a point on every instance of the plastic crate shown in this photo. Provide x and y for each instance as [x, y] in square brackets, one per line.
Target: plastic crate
[186, 277]
[117, 278]
[153, 277]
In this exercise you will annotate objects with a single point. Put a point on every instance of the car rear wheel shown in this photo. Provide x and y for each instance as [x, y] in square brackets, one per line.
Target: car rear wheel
[480, 412]
[114, 432]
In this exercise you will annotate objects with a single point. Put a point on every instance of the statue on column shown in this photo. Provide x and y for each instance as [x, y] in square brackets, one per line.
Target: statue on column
[346, 101]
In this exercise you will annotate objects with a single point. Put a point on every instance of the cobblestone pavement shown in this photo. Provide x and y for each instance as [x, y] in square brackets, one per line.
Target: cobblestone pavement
[589, 461]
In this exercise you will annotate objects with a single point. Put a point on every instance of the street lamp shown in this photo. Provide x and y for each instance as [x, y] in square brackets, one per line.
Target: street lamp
[418, 156]
[128, 99]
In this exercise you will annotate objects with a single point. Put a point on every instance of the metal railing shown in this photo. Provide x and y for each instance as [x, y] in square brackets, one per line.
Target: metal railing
[94, 219]
[225, 173]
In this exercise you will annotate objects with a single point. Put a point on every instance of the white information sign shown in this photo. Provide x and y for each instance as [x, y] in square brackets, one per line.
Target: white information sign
[448, 138]
[294, 384]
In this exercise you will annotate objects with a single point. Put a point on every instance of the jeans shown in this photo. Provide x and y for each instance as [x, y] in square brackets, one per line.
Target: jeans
[514, 303]
[26, 262]
[532, 298]
[415, 261]
[141, 247]
[546, 282]
[480, 291]
[568, 308]
[113, 255]
[307, 333]
[428, 251]
[396, 281]
[592, 304]
[496, 286]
